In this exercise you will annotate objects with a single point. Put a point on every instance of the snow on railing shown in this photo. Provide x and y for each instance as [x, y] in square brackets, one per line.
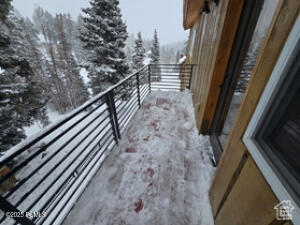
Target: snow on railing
[53, 167]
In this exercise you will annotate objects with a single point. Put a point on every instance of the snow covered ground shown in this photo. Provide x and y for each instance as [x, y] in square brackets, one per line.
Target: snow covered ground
[85, 77]
[231, 117]
[160, 174]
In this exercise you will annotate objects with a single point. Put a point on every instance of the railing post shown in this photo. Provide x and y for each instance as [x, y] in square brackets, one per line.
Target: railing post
[191, 74]
[181, 76]
[6, 207]
[149, 77]
[138, 88]
[113, 115]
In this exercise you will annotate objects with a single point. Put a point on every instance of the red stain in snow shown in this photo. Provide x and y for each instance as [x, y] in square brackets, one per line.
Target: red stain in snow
[130, 150]
[150, 172]
[147, 106]
[187, 163]
[131, 139]
[139, 205]
[161, 101]
[155, 125]
[135, 172]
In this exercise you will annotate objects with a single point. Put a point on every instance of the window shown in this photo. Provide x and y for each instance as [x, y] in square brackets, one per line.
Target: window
[273, 135]
[278, 134]
[247, 47]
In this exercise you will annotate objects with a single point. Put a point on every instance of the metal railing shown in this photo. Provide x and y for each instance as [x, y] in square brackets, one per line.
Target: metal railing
[176, 77]
[55, 166]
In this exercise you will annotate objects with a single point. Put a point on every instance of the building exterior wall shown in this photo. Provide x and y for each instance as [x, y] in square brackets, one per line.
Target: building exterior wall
[191, 12]
[240, 194]
[239, 185]
[211, 40]
[205, 40]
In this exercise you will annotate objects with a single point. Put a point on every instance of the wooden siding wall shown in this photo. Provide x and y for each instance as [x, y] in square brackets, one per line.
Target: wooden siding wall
[239, 194]
[191, 12]
[211, 42]
[207, 30]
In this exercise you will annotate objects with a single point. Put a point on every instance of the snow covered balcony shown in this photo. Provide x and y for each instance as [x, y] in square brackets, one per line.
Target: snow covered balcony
[131, 155]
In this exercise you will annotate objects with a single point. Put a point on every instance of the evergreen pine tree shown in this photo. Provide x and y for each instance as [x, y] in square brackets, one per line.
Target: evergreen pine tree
[139, 53]
[24, 39]
[177, 57]
[155, 49]
[103, 35]
[34, 55]
[20, 96]
[57, 70]
[76, 91]
[80, 52]
[45, 23]
[155, 57]
[129, 49]
[5, 7]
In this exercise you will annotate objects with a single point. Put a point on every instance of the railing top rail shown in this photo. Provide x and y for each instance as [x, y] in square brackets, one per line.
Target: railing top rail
[32, 140]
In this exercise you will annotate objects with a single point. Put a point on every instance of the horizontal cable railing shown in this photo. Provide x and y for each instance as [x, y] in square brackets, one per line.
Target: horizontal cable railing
[45, 175]
[176, 77]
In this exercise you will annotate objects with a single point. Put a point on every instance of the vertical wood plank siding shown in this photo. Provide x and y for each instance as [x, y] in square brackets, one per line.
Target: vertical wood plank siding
[207, 40]
[227, 185]
[251, 208]
[227, 39]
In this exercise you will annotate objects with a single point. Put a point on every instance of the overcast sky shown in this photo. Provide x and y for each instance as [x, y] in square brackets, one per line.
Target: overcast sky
[140, 15]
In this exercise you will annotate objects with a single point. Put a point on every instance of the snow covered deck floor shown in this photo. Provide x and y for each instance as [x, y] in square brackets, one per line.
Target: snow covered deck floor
[160, 175]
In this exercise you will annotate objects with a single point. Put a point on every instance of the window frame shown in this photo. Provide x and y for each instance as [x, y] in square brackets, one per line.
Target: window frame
[274, 171]
[248, 22]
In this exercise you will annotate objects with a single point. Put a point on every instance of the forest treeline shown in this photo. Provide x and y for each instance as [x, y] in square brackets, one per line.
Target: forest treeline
[57, 62]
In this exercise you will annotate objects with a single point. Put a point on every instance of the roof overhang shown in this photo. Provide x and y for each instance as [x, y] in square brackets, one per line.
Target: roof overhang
[192, 12]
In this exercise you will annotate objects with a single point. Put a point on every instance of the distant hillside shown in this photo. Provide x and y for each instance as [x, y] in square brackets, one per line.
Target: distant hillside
[169, 53]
